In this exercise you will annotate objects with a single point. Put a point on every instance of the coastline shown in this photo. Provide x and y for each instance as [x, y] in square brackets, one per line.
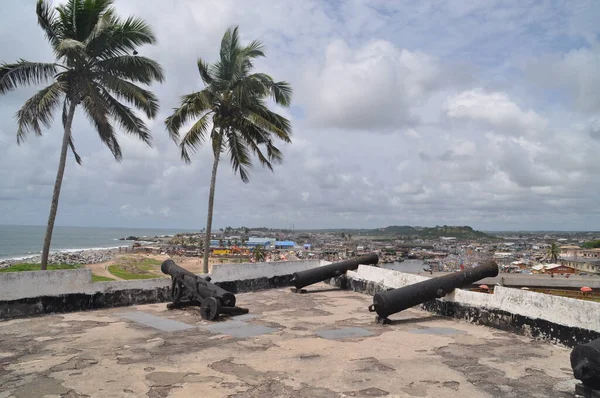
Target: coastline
[70, 256]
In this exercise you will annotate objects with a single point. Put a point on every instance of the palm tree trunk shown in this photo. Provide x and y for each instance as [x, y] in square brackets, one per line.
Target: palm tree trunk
[211, 201]
[57, 185]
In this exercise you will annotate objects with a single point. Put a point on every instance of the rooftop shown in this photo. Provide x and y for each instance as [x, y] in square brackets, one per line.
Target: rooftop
[321, 344]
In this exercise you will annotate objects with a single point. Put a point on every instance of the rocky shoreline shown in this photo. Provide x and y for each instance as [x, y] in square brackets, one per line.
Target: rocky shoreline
[70, 257]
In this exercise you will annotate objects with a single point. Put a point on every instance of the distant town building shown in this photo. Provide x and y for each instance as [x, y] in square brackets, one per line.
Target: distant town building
[267, 243]
[285, 244]
[582, 264]
[583, 260]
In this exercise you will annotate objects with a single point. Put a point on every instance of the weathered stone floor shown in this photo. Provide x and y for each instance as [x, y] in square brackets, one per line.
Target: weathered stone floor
[321, 344]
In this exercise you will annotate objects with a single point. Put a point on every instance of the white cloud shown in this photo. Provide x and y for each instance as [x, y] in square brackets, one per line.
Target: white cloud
[495, 109]
[371, 87]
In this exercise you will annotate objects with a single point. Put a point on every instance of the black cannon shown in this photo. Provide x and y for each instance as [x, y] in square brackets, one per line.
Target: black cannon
[396, 300]
[585, 361]
[319, 274]
[191, 289]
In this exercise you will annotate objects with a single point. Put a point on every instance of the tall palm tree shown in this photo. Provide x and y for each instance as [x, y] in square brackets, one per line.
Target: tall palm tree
[94, 69]
[553, 252]
[231, 112]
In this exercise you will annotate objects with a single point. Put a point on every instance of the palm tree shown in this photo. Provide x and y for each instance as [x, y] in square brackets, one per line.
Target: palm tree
[93, 69]
[232, 114]
[553, 252]
[258, 253]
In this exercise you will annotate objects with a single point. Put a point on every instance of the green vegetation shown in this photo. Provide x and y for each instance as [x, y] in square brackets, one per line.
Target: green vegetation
[553, 252]
[99, 278]
[123, 272]
[36, 267]
[136, 268]
[258, 254]
[594, 244]
[94, 68]
[231, 114]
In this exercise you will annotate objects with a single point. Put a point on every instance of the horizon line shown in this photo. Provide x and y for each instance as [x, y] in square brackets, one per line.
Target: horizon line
[308, 229]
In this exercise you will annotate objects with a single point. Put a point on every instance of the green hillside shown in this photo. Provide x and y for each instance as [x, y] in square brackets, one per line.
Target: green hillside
[459, 232]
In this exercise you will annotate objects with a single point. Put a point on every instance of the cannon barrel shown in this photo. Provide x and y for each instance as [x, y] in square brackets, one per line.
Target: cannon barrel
[197, 285]
[585, 361]
[318, 274]
[396, 300]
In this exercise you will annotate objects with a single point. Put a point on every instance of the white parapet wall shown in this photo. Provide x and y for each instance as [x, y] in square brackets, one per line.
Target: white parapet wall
[560, 310]
[28, 284]
[17, 285]
[243, 271]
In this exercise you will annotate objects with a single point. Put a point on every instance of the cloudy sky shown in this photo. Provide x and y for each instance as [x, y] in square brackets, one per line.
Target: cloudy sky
[478, 113]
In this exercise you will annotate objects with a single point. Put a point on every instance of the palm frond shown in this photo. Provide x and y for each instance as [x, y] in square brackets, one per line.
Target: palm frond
[230, 36]
[66, 15]
[79, 17]
[24, 73]
[121, 38]
[72, 146]
[256, 137]
[38, 109]
[48, 22]
[142, 99]
[105, 22]
[132, 67]
[254, 49]
[192, 106]
[99, 112]
[89, 14]
[127, 119]
[203, 69]
[194, 138]
[251, 89]
[65, 112]
[282, 93]
[239, 155]
[270, 121]
[258, 152]
[275, 155]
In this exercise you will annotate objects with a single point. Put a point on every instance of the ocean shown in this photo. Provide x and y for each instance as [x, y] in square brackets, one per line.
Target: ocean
[408, 265]
[18, 241]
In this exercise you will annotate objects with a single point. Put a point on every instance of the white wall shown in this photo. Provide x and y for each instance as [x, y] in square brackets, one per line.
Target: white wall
[241, 271]
[560, 310]
[18, 285]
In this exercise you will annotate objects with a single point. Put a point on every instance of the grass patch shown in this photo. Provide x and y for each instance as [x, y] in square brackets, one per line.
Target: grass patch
[136, 268]
[36, 267]
[123, 272]
[100, 278]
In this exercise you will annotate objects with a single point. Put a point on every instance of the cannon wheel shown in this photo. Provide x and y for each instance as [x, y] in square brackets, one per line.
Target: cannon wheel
[176, 291]
[210, 308]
